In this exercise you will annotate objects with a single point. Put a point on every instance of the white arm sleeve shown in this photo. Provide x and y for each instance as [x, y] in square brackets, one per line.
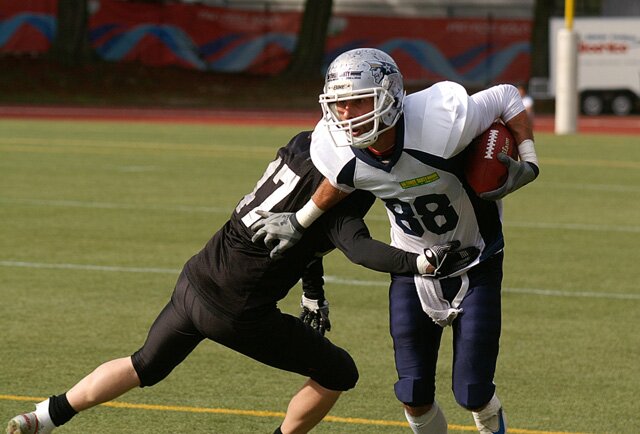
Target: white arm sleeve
[502, 101]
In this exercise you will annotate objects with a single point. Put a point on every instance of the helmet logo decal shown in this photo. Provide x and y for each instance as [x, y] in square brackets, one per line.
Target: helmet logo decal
[381, 69]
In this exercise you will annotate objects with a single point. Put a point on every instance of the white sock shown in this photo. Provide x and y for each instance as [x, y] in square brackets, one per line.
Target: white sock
[432, 422]
[42, 413]
[488, 419]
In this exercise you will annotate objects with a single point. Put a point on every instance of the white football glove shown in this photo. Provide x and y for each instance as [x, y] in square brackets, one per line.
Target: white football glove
[445, 259]
[315, 314]
[280, 231]
[520, 174]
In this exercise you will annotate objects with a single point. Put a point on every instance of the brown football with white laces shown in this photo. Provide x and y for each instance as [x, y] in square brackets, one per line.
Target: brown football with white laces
[483, 170]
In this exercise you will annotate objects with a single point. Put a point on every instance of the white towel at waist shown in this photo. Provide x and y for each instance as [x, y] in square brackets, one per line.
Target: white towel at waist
[433, 302]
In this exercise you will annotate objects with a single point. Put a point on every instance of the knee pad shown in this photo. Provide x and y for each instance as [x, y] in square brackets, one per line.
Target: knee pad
[415, 391]
[341, 375]
[149, 373]
[474, 396]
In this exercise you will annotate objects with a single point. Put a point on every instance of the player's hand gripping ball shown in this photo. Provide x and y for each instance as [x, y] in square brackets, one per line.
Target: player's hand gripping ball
[483, 170]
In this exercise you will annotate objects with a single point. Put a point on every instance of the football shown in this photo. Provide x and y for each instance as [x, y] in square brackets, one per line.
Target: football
[483, 170]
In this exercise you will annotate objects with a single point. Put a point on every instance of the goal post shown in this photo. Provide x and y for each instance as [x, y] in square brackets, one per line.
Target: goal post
[566, 110]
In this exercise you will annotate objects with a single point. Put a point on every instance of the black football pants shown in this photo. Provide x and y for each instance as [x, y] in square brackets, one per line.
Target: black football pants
[276, 339]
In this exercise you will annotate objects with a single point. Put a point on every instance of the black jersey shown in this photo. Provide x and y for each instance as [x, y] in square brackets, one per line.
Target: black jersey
[238, 279]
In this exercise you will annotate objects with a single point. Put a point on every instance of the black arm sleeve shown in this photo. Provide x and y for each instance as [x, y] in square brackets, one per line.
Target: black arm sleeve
[349, 233]
[312, 279]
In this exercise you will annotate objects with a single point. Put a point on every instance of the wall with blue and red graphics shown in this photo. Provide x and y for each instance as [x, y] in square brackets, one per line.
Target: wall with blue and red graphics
[27, 26]
[467, 50]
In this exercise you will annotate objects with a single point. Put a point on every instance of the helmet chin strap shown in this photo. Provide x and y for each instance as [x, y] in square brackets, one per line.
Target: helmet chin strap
[362, 144]
[388, 150]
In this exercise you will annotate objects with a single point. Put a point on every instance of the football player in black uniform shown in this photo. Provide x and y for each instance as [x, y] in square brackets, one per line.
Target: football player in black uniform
[228, 292]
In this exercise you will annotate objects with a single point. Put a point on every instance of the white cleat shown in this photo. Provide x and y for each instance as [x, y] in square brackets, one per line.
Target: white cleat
[497, 424]
[28, 423]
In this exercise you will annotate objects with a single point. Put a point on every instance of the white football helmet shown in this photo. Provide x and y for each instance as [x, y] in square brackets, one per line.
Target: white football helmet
[356, 74]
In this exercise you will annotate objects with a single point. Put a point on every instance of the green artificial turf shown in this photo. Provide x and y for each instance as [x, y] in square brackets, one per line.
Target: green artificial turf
[97, 218]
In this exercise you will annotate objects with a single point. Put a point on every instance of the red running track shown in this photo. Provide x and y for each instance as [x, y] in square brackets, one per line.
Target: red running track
[543, 123]
[193, 116]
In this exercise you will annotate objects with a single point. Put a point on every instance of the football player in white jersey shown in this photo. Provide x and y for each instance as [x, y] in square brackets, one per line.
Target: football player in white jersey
[407, 150]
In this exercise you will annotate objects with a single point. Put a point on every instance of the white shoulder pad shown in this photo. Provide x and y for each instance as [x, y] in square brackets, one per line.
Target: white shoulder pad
[328, 158]
[497, 102]
[435, 118]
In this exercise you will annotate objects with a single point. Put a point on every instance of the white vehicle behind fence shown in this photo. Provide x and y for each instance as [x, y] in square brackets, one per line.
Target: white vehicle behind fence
[608, 63]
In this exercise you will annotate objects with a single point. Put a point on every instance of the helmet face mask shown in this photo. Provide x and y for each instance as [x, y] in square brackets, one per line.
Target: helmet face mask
[360, 74]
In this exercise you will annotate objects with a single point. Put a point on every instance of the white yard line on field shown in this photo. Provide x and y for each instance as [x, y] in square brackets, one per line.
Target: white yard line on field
[113, 205]
[613, 188]
[573, 227]
[330, 279]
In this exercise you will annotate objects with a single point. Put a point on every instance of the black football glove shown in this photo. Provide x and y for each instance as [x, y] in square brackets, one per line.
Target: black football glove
[446, 259]
[315, 314]
[520, 173]
[280, 231]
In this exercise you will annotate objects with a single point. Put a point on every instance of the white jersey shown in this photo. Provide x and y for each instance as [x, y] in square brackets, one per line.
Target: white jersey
[422, 183]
